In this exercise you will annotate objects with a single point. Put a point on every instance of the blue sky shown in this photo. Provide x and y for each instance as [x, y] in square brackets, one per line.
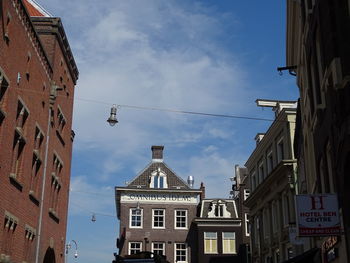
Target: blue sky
[213, 56]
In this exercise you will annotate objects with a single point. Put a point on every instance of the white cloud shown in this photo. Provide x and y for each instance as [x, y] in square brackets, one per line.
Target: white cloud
[88, 198]
[214, 171]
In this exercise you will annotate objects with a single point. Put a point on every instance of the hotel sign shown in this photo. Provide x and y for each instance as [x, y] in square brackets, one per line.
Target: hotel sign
[317, 215]
[189, 198]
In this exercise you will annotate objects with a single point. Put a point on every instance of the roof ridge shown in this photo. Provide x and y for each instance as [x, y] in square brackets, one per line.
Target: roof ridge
[38, 8]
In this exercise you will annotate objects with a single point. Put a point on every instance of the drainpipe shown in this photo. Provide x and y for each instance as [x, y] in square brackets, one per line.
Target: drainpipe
[43, 188]
[53, 94]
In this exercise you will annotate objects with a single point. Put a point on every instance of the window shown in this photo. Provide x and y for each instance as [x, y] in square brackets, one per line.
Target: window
[269, 162]
[210, 243]
[180, 252]
[246, 193]
[136, 218]
[158, 218]
[261, 172]
[158, 179]
[181, 219]
[266, 223]
[158, 248]
[135, 247]
[253, 180]
[61, 120]
[218, 209]
[8, 228]
[246, 224]
[19, 141]
[36, 161]
[6, 28]
[228, 243]
[4, 84]
[275, 216]
[280, 150]
[57, 166]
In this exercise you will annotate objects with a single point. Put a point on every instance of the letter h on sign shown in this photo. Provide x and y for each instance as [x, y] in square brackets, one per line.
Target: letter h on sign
[317, 202]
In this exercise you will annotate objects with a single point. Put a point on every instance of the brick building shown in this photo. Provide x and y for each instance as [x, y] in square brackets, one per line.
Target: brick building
[218, 231]
[37, 76]
[156, 210]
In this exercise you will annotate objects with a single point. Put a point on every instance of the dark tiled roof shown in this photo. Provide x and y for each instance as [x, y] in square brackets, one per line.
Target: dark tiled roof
[142, 180]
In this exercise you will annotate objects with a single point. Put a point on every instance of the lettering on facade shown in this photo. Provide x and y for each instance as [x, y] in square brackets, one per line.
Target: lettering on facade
[158, 197]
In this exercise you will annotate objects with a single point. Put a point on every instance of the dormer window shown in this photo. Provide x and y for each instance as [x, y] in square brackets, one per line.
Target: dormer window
[158, 179]
[218, 209]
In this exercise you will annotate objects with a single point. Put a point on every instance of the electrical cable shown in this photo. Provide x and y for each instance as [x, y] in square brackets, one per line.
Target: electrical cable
[168, 110]
[92, 212]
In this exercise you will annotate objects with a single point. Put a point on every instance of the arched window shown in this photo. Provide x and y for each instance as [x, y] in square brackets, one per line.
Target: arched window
[158, 179]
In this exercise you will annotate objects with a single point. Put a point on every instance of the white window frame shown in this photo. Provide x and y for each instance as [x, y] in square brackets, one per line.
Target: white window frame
[130, 217]
[246, 224]
[159, 243]
[228, 238]
[246, 193]
[180, 216]
[186, 253]
[163, 216]
[212, 249]
[134, 242]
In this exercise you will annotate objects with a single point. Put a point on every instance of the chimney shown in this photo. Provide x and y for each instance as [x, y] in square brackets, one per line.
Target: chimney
[202, 188]
[157, 153]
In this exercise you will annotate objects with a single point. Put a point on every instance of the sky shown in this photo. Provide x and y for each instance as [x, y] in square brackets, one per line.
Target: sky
[209, 56]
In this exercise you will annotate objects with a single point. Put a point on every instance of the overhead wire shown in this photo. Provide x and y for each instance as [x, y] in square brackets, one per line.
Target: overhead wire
[207, 114]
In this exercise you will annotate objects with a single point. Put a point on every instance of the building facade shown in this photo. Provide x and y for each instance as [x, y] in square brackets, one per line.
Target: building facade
[156, 210]
[240, 193]
[218, 231]
[37, 76]
[271, 170]
[318, 51]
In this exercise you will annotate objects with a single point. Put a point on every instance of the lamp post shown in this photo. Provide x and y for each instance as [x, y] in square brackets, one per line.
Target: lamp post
[69, 246]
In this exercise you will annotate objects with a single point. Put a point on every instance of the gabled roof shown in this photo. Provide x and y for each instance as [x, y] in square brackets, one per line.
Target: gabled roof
[34, 9]
[143, 179]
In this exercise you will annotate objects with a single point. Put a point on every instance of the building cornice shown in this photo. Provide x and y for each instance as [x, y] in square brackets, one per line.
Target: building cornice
[53, 25]
[286, 116]
[285, 168]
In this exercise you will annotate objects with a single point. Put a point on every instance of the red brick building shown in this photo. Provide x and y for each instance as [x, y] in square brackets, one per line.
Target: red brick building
[156, 212]
[37, 79]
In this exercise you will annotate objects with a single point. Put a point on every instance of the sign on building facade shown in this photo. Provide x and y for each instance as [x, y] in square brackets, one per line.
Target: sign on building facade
[317, 215]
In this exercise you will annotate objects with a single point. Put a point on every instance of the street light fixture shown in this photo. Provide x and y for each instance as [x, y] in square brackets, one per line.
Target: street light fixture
[69, 246]
[112, 120]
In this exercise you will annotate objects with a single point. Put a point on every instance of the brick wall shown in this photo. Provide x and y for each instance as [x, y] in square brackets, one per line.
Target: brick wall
[22, 55]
